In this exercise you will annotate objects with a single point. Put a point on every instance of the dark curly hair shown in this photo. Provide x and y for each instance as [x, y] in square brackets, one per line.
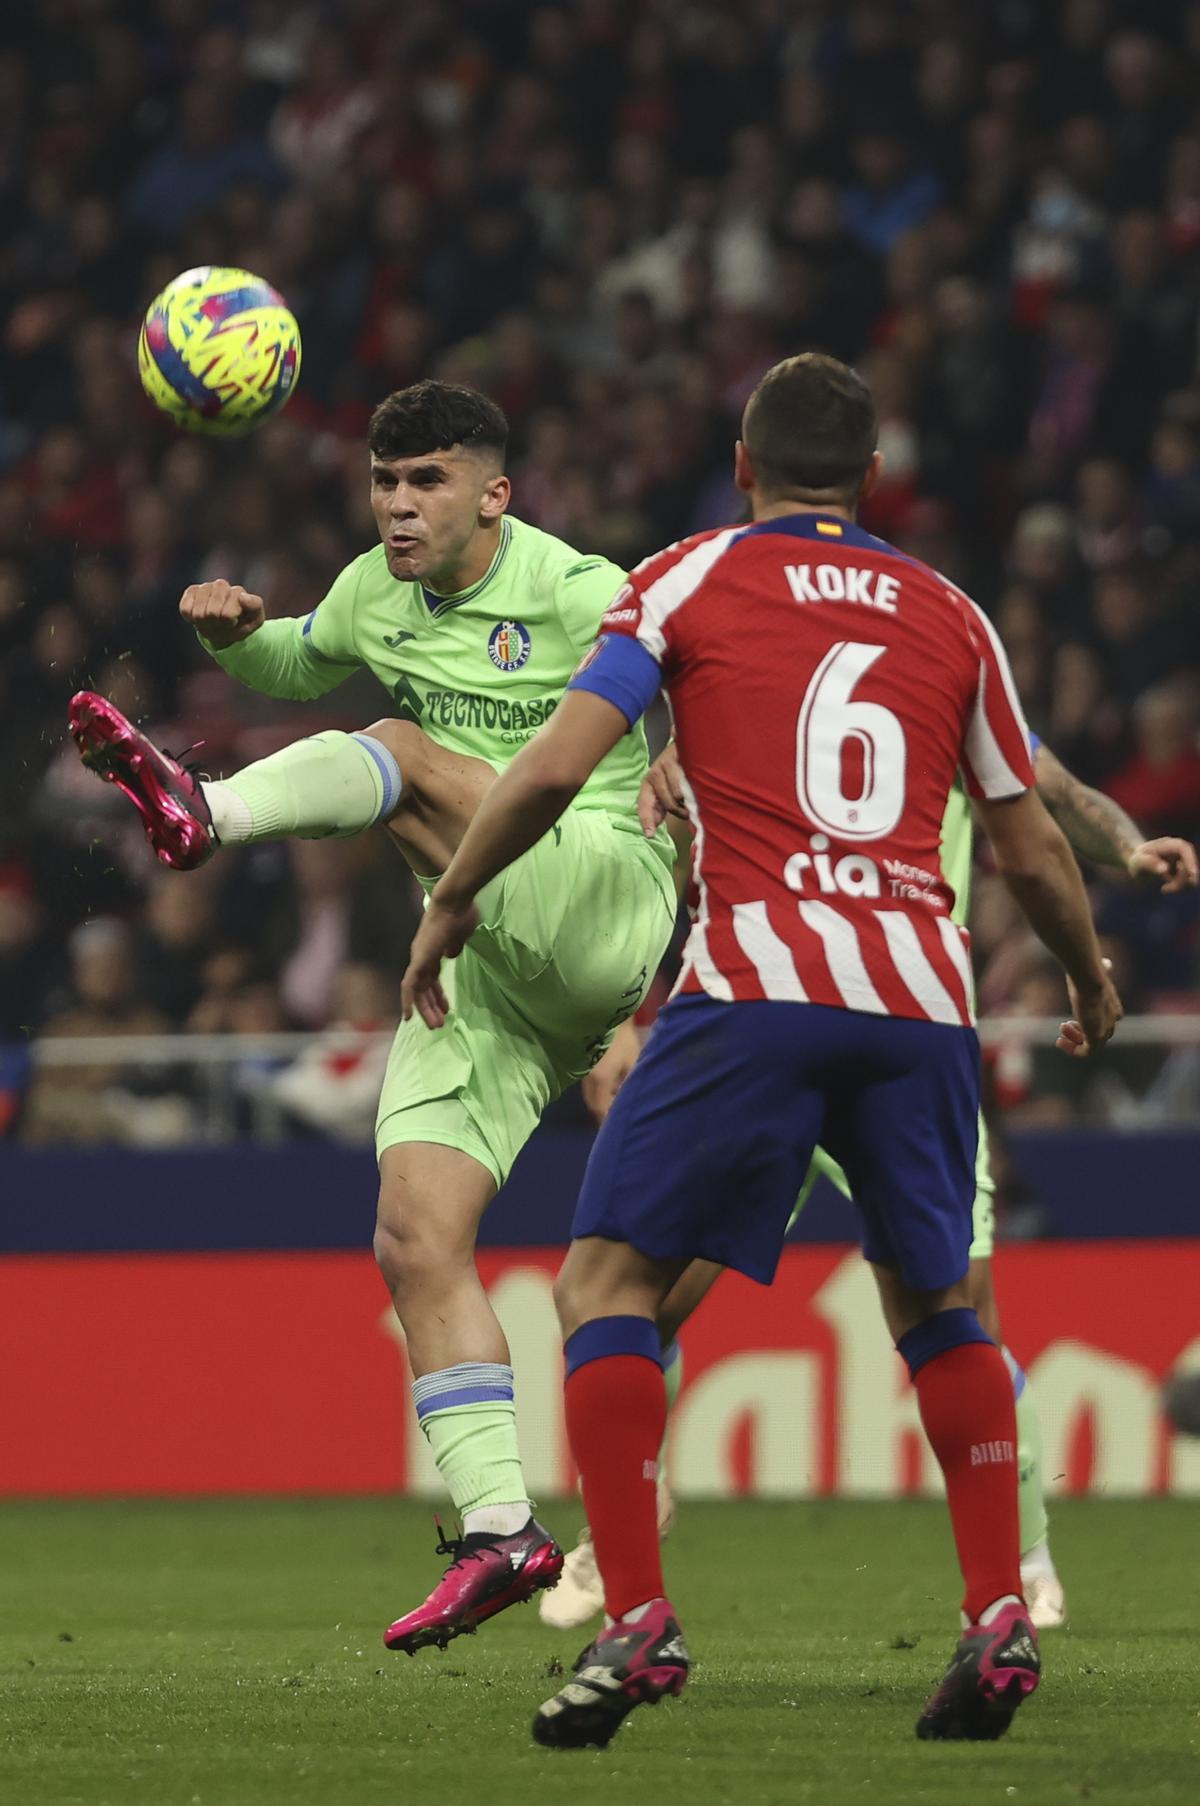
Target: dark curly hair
[431, 416]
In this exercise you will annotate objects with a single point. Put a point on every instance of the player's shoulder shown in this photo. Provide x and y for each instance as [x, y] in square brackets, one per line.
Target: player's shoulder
[975, 627]
[369, 567]
[355, 583]
[552, 561]
[854, 539]
[939, 590]
[373, 559]
[692, 557]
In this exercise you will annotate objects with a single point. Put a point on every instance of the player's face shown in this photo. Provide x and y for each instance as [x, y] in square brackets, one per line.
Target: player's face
[433, 512]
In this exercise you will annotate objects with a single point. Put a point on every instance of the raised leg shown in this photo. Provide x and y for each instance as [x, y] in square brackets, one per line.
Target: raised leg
[334, 785]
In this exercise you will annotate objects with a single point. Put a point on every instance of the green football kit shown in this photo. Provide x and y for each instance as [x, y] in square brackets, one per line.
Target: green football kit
[572, 933]
[956, 849]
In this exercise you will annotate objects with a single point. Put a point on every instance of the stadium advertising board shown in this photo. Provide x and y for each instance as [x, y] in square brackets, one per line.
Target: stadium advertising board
[284, 1373]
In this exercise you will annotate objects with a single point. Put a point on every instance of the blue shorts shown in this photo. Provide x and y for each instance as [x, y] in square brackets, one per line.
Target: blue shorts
[707, 1146]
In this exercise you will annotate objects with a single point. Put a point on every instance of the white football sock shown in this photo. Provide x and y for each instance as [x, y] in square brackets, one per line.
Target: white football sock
[992, 1612]
[496, 1520]
[232, 819]
[634, 1615]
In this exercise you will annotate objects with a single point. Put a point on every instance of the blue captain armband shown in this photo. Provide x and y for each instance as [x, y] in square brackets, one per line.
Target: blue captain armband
[623, 672]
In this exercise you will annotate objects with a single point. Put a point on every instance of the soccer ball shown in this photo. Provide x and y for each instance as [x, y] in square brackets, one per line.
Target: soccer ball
[219, 351]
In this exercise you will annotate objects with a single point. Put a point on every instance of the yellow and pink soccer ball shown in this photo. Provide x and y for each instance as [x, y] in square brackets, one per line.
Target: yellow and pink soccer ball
[219, 351]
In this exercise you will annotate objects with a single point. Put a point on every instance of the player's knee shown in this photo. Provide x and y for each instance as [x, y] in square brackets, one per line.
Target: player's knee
[564, 1295]
[388, 1248]
[574, 1298]
[407, 1254]
[407, 743]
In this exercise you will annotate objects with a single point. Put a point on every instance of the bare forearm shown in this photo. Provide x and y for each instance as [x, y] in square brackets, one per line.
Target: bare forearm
[1053, 899]
[1040, 870]
[1097, 827]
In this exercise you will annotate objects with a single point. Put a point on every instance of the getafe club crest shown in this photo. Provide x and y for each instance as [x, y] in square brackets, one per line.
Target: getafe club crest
[509, 645]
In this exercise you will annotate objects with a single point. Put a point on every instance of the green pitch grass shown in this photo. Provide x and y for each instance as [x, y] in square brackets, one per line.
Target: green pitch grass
[222, 1654]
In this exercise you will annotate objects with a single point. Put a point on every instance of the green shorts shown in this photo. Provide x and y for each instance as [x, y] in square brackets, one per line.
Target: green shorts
[571, 937]
[984, 1213]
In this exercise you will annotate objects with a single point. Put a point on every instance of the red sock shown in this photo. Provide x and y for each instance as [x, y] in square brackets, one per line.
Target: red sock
[970, 1418]
[616, 1417]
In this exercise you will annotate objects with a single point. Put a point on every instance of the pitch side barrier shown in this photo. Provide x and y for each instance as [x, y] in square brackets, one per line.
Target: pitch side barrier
[150, 1298]
[232, 1166]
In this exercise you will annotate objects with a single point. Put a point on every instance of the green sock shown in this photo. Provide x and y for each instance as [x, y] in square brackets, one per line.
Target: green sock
[474, 1440]
[327, 787]
[672, 1380]
[1031, 1496]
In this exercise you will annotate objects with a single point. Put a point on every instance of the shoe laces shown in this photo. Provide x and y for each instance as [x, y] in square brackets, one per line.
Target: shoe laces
[454, 1546]
[179, 758]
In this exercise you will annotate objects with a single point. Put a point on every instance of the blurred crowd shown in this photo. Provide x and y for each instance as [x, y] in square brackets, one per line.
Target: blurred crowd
[612, 215]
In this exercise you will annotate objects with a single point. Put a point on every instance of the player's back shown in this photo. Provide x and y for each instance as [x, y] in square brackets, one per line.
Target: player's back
[825, 690]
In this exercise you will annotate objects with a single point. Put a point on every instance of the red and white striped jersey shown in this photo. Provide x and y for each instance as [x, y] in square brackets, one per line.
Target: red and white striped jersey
[826, 691]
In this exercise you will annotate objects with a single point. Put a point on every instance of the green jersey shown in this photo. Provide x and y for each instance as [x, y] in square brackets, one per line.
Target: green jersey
[479, 672]
[958, 838]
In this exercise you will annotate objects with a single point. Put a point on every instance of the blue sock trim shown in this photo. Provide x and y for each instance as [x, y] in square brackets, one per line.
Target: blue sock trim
[1020, 1378]
[938, 1334]
[612, 1336]
[468, 1383]
[466, 1395]
[671, 1354]
[388, 769]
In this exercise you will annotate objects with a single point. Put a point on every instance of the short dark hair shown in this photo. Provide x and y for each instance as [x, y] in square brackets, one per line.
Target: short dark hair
[810, 428]
[431, 416]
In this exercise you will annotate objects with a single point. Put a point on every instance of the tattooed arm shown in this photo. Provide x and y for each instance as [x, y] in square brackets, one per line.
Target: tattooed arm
[1099, 829]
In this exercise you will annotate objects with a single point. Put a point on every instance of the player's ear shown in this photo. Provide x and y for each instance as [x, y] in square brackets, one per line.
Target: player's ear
[871, 481]
[743, 470]
[497, 492]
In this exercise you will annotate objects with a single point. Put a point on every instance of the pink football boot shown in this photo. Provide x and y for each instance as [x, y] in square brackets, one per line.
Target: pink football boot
[993, 1671]
[486, 1575]
[629, 1664]
[167, 797]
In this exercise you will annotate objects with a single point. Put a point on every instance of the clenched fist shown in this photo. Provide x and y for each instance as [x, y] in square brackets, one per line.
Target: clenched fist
[222, 613]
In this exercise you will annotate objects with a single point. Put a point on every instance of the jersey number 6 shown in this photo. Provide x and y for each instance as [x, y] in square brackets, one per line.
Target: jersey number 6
[829, 718]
